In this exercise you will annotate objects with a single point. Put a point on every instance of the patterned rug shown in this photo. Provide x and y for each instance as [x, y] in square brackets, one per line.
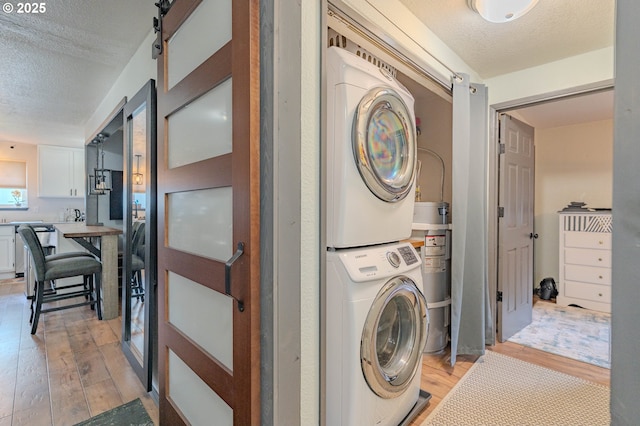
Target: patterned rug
[500, 390]
[131, 413]
[576, 333]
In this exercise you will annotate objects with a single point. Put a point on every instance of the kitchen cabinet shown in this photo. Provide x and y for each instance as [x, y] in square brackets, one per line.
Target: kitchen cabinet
[585, 260]
[7, 252]
[61, 172]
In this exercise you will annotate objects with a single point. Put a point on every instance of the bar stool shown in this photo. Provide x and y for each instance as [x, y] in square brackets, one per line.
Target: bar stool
[49, 268]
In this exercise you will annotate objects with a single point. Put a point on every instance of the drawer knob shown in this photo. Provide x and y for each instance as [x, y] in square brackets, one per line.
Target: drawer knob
[600, 276]
[601, 242]
[599, 259]
[600, 294]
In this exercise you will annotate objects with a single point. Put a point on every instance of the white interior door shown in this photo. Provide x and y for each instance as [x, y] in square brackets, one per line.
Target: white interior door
[515, 227]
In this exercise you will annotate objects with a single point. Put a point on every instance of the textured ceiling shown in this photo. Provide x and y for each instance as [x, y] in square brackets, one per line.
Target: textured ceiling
[552, 30]
[57, 66]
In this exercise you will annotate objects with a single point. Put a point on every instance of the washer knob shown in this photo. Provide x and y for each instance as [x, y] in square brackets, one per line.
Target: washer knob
[393, 258]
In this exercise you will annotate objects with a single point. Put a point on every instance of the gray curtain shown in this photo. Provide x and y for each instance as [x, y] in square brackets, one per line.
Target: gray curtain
[470, 309]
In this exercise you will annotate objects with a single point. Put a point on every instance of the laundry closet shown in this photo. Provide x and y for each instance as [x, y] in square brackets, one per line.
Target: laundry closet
[389, 149]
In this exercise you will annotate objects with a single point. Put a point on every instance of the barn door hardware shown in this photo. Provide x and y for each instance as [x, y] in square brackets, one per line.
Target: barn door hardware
[163, 7]
[227, 275]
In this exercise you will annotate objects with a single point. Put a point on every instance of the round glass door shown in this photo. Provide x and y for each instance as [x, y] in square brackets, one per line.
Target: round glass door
[384, 144]
[393, 337]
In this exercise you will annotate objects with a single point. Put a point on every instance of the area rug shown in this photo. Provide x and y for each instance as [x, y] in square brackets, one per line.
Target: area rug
[500, 390]
[576, 333]
[131, 413]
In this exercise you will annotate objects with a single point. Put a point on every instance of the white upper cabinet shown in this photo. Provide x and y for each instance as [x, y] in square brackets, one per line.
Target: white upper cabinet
[60, 172]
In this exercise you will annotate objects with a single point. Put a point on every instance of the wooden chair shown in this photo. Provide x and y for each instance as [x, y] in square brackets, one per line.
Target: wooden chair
[48, 268]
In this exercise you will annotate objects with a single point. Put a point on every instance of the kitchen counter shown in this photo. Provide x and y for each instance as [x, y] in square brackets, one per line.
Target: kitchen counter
[35, 222]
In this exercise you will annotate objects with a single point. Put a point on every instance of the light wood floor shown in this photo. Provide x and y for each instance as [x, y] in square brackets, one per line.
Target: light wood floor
[70, 370]
[73, 368]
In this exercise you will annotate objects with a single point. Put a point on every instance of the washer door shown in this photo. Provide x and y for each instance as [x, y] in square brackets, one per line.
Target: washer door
[393, 337]
[384, 144]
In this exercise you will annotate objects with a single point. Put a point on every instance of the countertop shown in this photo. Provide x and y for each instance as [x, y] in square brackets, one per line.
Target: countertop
[34, 222]
[81, 229]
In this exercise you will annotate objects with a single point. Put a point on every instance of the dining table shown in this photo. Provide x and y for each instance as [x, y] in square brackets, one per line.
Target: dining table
[101, 241]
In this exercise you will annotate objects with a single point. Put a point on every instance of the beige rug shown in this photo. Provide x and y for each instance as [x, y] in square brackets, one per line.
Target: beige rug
[500, 390]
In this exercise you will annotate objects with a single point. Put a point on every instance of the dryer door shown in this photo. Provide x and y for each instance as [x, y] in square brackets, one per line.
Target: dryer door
[384, 144]
[393, 337]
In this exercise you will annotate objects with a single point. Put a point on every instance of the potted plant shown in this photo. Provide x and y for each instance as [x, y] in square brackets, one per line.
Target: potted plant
[17, 197]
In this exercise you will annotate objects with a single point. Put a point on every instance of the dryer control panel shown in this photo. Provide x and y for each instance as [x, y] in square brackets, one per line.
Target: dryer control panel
[367, 263]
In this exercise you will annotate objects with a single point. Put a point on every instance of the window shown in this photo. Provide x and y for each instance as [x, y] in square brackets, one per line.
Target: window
[13, 185]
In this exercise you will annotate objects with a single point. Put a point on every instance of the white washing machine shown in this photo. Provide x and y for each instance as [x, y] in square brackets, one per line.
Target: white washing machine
[376, 329]
[371, 153]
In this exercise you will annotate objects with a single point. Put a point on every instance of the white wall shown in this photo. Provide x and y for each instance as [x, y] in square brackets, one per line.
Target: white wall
[138, 71]
[575, 71]
[573, 163]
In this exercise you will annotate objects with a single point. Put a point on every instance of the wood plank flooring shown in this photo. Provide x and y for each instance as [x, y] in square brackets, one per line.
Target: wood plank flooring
[73, 368]
[70, 370]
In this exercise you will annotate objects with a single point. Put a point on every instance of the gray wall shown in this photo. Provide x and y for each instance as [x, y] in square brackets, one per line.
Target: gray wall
[625, 366]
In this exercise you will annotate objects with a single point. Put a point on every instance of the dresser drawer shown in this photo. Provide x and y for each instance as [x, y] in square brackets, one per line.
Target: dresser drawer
[599, 240]
[588, 274]
[595, 292]
[588, 257]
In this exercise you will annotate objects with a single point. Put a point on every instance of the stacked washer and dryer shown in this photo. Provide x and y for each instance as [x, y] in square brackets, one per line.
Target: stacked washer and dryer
[376, 314]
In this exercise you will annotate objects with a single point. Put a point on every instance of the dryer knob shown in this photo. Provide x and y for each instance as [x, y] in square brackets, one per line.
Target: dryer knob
[393, 258]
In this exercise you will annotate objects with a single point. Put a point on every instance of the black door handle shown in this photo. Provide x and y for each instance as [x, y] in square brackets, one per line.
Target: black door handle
[533, 236]
[227, 274]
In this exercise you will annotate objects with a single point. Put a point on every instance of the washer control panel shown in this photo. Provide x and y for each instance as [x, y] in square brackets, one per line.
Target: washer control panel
[366, 263]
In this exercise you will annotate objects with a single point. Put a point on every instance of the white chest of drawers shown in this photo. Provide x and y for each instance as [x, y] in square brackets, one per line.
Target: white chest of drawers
[585, 260]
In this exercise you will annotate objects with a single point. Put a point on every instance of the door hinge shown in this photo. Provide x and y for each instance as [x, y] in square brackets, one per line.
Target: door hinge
[500, 211]
[499, 296]
[501, 148]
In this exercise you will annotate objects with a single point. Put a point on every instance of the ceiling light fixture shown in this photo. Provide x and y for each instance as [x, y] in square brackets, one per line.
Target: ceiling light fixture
[499, 11]
[100, 181]
[137, 176]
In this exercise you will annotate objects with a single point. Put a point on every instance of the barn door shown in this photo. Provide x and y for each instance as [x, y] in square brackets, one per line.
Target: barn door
[208, 213]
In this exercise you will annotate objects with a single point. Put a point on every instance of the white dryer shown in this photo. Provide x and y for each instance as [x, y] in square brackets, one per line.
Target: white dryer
[376, 329]
[371, 153]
